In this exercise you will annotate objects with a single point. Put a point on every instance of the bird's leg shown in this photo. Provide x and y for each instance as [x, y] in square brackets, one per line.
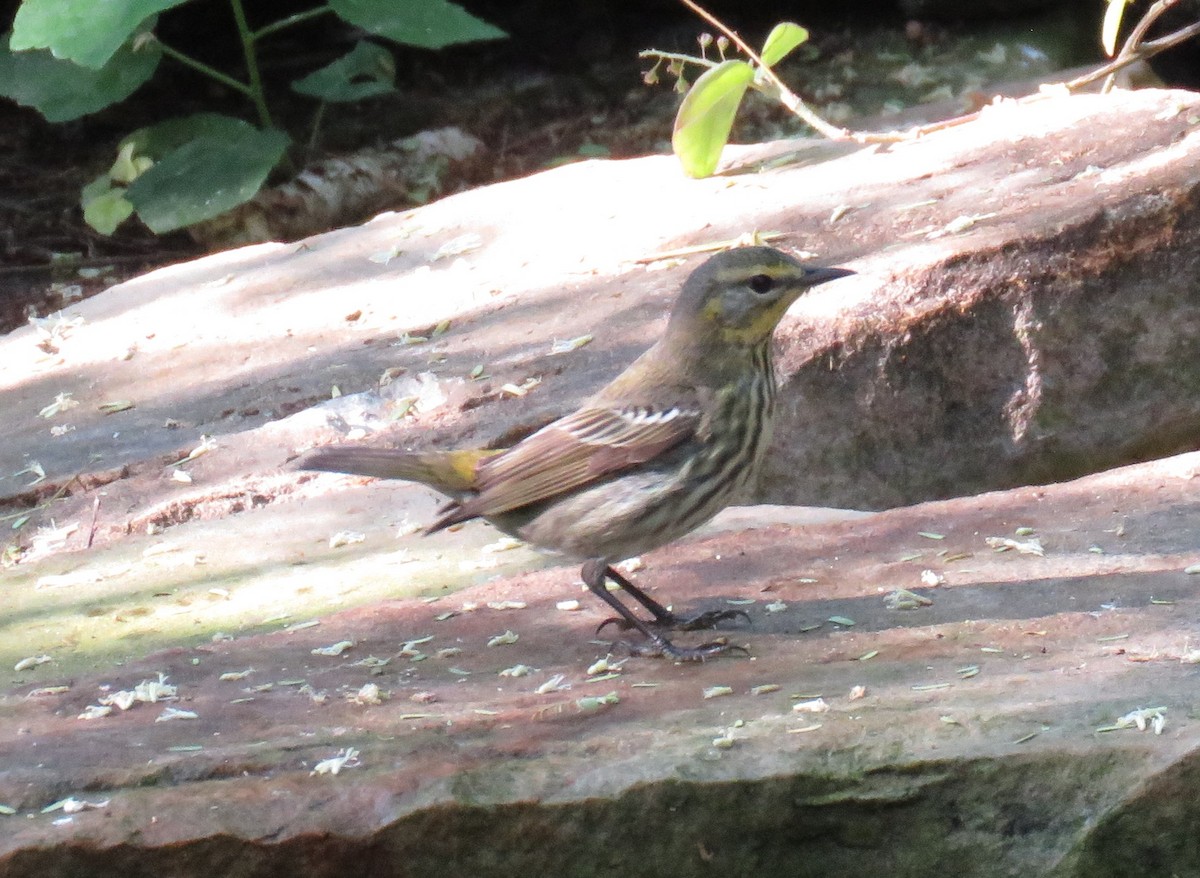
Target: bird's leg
[663, 617]
[595, 572]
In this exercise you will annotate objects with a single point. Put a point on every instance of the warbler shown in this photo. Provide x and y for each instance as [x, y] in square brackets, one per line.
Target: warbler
[671, 441]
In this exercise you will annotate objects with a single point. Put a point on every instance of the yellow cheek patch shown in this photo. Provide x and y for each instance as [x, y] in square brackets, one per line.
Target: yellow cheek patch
[760, 327]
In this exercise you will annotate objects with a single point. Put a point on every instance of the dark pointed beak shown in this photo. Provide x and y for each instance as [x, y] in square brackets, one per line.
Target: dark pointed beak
[814, 276]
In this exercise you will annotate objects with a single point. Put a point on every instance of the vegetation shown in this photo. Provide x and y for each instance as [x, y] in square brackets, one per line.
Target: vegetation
[706, 116]
[69, 58]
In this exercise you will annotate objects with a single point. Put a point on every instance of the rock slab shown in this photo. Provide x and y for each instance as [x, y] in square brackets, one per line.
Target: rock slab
[1024, 311]
[978, 733]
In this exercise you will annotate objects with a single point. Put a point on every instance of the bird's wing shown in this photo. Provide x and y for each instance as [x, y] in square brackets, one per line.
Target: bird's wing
[573, 451]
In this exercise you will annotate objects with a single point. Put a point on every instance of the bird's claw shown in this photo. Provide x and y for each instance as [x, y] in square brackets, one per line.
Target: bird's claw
[708, 619]
[660, 647]
[671, 622]
[623, 624]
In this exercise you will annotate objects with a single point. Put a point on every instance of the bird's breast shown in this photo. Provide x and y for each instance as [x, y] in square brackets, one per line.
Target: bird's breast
[656, 502]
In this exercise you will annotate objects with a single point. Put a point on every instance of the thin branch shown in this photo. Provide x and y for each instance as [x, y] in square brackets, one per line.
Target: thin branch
[1135, 37]
[1139, 31]
[1140, 53]
[676, 56]
[291, 20]
[189, 61]
[311, 148]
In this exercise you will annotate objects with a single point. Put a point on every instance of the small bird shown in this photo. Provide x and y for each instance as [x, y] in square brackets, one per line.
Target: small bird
[672, 440]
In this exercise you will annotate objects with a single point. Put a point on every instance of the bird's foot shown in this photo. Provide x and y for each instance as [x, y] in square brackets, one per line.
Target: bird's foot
[670, 622]
[707, 619]
[660, 647]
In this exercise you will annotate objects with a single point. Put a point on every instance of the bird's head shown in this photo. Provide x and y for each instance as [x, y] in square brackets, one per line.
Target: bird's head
[739, 295]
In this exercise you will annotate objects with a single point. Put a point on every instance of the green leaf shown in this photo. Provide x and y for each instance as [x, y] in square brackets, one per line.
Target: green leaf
[88, 32]
[365, 71]
[784, 37]
[223, 166]
[428, 24]
[1112, 24]
[128, 166]
[61, 90]
[104, 207]
[705, 117]
[157, 140]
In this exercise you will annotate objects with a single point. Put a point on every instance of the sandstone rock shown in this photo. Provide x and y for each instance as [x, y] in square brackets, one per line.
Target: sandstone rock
[1025, 311]
[985, 739]
[1042, 324]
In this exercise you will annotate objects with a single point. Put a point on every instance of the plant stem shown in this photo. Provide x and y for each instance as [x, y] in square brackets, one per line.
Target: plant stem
[1133, 45]
[1140, 53]
[316, 131]
[248, 50]
[189, 61]
[1135, 38]
[298, 18]
[676, 56]
[787, 97]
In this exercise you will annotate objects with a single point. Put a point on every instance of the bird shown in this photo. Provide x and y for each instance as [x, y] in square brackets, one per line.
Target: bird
[672, 440]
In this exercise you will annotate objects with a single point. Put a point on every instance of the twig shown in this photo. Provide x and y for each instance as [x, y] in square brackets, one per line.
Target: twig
[676, 56]
[298, 18]
[59, 493]
[1138, 53]
[92, 528]
[1135, 38]
[196, 64]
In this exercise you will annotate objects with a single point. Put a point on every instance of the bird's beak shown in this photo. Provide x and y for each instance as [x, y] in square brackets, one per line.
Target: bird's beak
[814, 276]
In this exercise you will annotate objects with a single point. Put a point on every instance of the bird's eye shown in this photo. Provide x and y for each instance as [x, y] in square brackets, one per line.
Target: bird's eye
[761, 283]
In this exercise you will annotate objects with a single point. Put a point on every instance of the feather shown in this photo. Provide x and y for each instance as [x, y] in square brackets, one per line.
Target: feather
[572, 452]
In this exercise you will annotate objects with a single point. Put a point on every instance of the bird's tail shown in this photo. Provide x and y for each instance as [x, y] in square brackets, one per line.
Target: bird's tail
[451, 472]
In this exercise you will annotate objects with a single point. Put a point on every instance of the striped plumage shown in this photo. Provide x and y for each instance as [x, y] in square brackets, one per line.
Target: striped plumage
[727, 465]
[674, 439]
[671, 495]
